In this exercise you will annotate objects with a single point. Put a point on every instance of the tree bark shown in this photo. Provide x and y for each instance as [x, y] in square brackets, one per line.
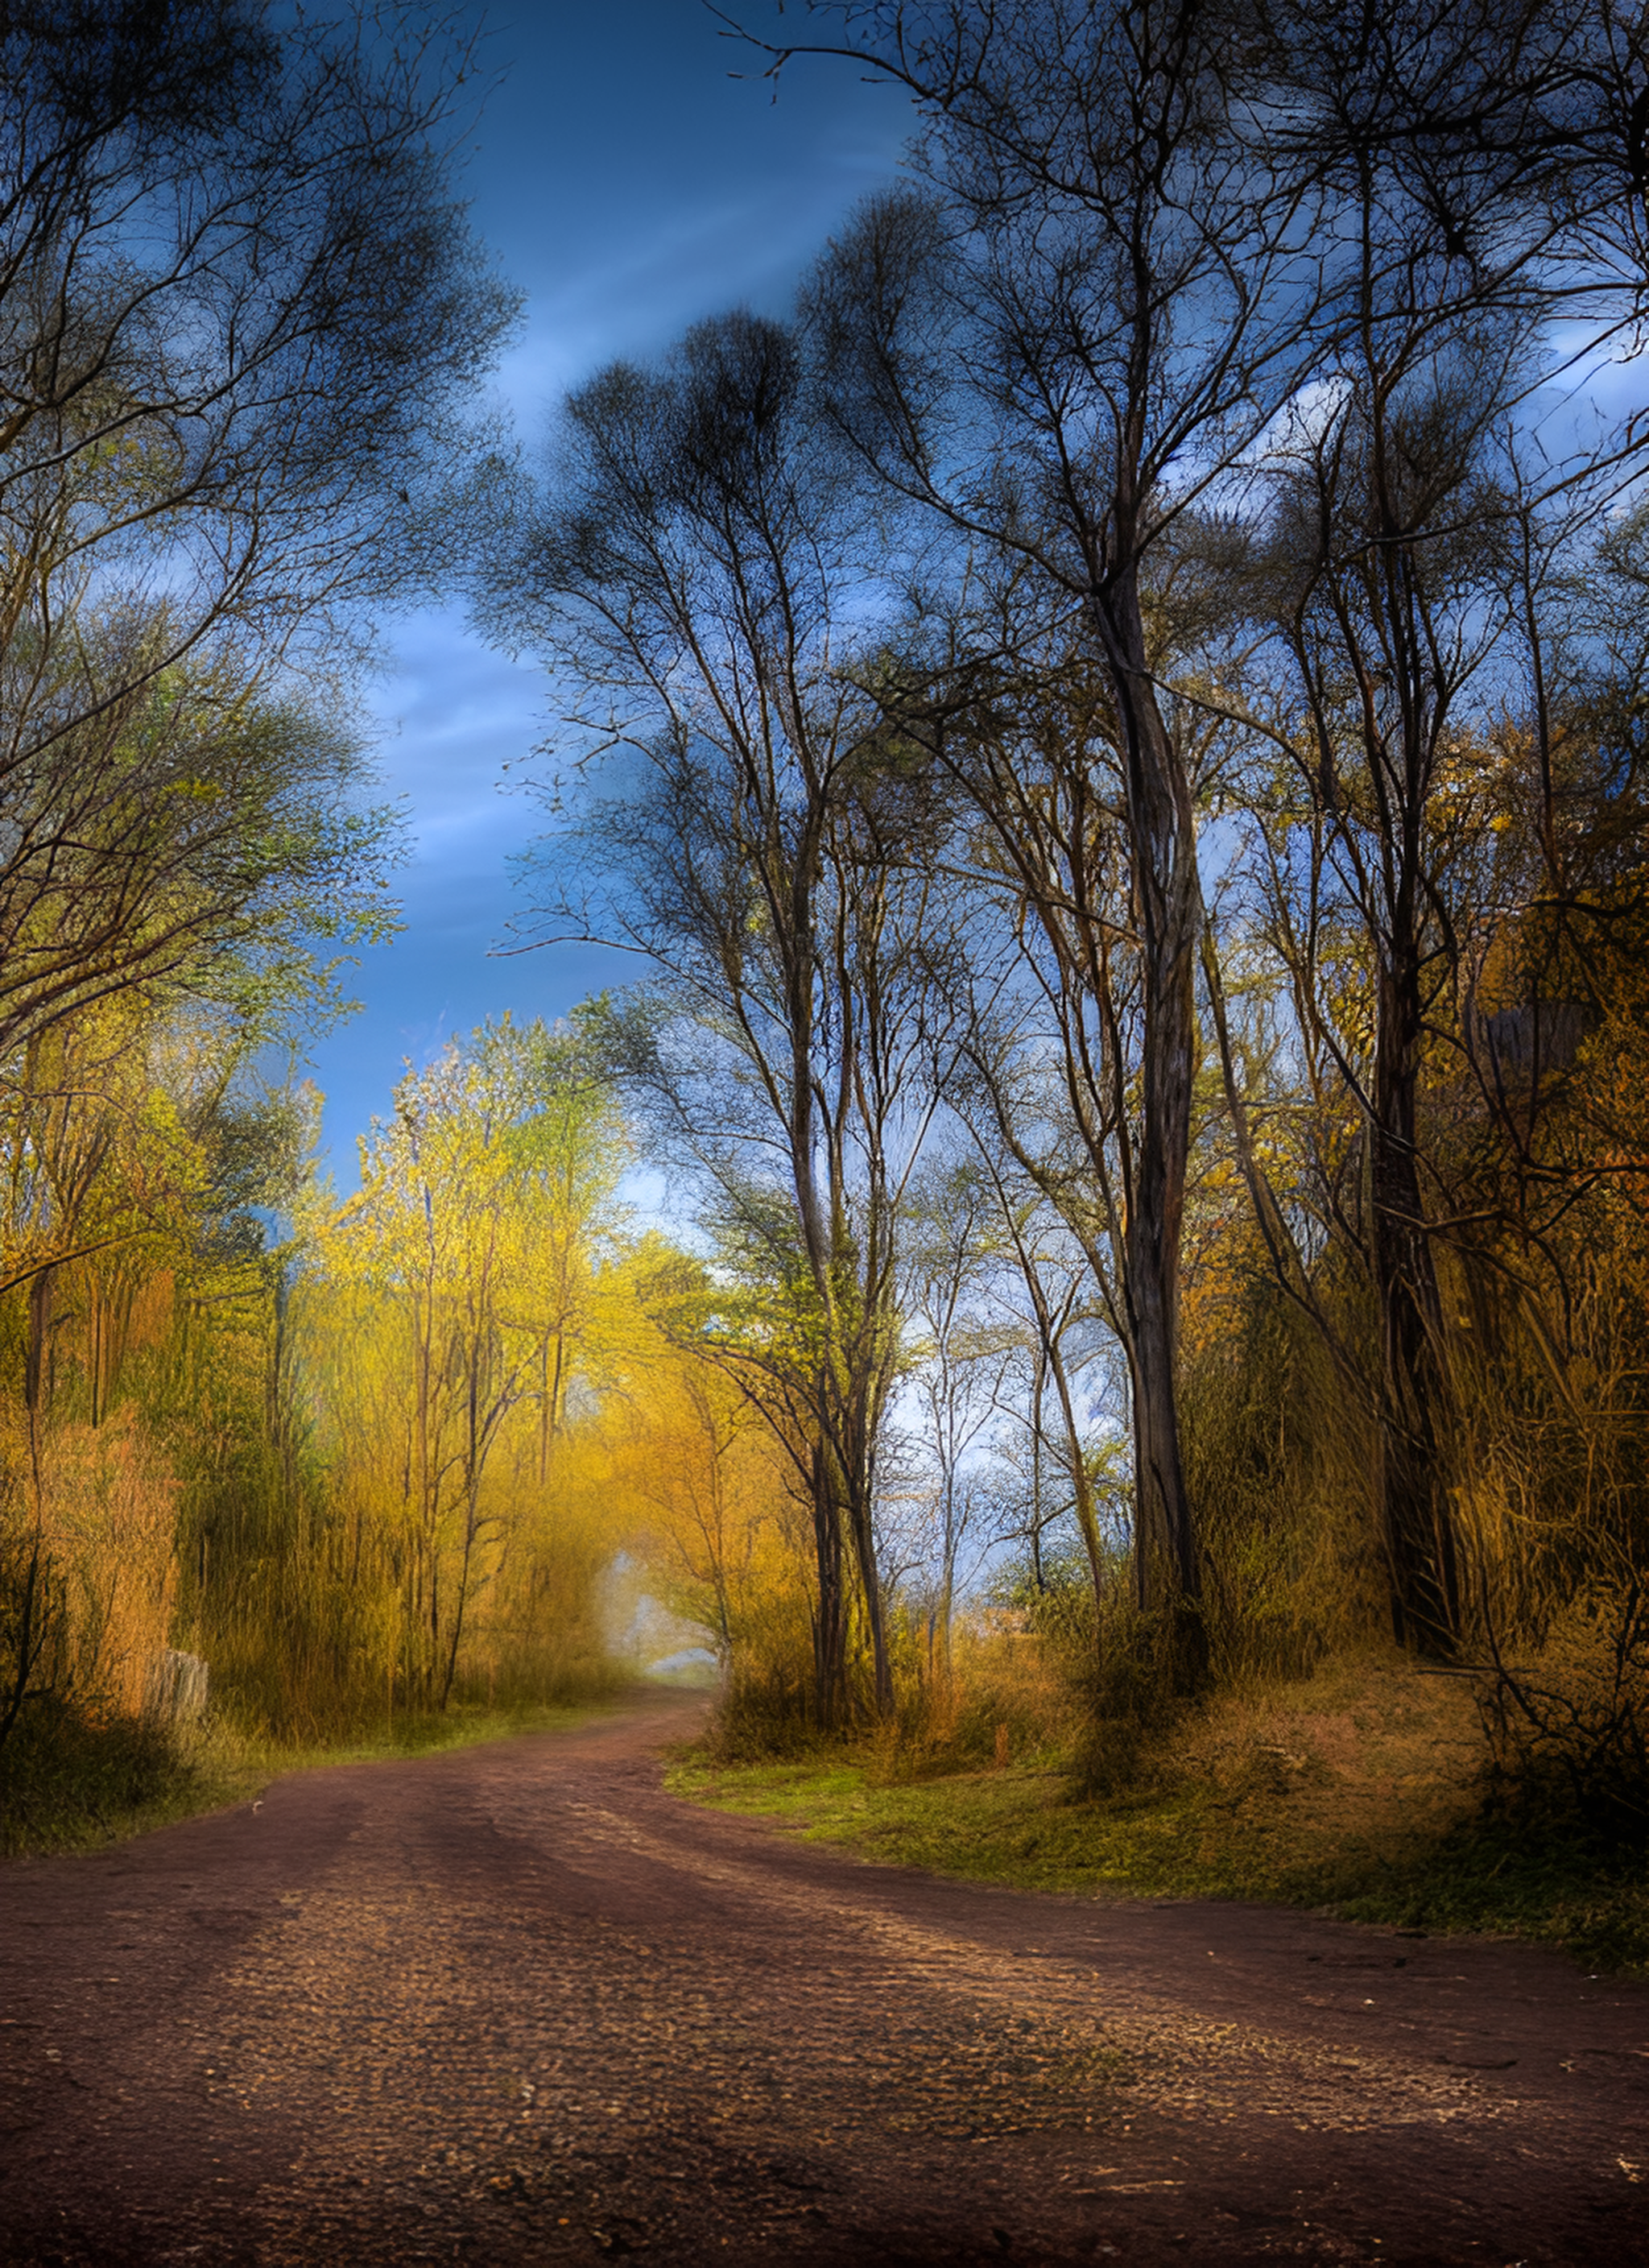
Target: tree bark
[830, 1608]
[1416, 1423]
[1168, 908]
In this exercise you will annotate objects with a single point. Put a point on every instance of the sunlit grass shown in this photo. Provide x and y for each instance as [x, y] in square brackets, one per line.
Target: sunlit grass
[1356, 1793]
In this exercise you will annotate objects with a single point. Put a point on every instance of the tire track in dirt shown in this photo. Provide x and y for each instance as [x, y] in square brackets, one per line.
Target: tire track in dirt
[519, 2005]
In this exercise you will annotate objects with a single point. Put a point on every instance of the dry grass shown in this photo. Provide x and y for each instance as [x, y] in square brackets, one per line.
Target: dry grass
[1360, 1790]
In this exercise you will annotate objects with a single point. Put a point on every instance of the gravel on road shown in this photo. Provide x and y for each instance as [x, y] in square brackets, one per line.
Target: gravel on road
[516, 2004]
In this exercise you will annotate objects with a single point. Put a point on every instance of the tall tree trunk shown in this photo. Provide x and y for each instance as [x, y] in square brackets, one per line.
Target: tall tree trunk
[830, 1611]
[1168, 908]
[863, 1529]
[474, 1456]
[1081, 1488]
[857, 1417]
[1416, 1417]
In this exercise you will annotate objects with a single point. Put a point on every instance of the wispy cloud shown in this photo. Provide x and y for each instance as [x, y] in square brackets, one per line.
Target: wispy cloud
[629, 186]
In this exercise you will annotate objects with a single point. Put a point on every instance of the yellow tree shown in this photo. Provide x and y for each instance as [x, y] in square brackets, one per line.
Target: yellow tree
[135, 1289]
[474, 1252]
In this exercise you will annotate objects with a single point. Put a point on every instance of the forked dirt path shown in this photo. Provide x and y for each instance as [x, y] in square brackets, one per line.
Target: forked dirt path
[520, 2005]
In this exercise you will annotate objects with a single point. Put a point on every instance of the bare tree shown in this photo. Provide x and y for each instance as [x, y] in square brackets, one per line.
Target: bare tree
[694, 574]
[1147, 230]
[1047, 1288]
[1095, 311]
[1054, 1018]
[959, 1356]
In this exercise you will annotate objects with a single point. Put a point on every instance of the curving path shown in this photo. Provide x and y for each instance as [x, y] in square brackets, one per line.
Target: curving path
[517, 2004]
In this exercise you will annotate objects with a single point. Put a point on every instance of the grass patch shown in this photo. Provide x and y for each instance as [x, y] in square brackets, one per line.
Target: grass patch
[71, 1781]
[1358, 1791]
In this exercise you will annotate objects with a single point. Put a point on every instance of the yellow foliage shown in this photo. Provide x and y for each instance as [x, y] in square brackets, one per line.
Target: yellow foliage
[108, 1516]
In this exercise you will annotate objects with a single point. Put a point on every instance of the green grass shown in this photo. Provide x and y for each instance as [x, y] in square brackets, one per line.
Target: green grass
[70, 1783]
[461, 1727]
[1395, 1833]
[1502, 1878]
[1020, 1825]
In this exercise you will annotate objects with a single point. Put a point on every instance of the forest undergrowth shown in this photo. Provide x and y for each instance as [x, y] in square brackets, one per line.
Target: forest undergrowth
[1367, 1791]
[75, 1782]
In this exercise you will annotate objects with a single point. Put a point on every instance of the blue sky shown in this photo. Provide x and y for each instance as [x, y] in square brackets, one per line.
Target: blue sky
[628, 185]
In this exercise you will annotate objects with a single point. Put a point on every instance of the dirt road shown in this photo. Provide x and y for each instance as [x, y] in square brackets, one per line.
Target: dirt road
[519, 2005]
